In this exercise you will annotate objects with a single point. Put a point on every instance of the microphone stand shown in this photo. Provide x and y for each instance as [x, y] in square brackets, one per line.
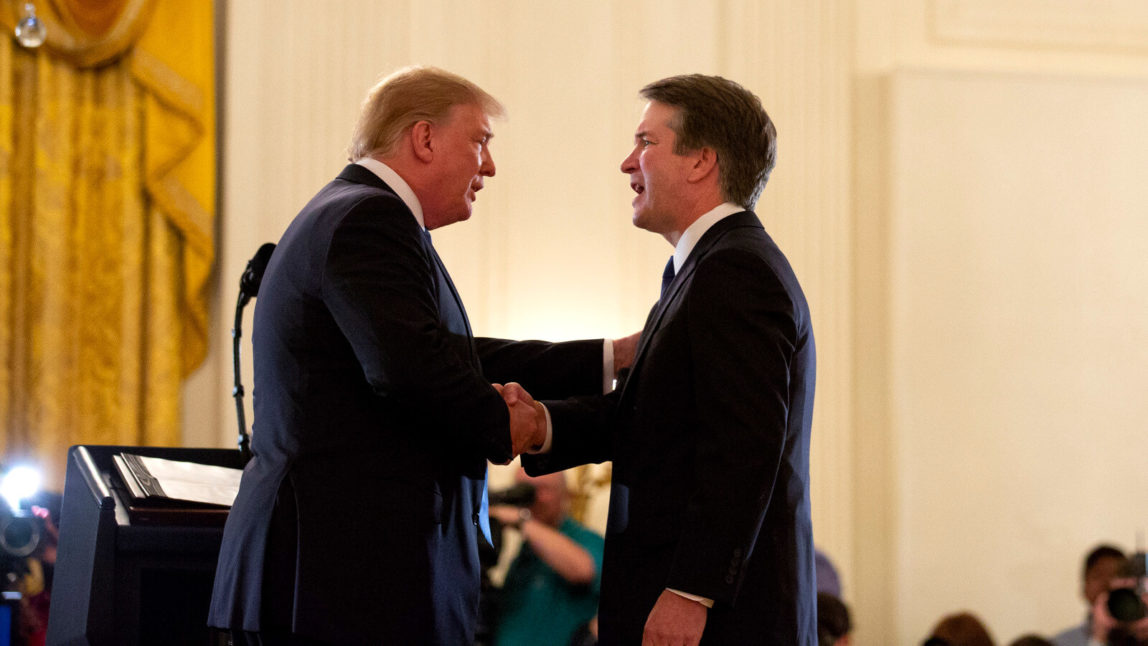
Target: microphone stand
[237, 390]
[249, 284]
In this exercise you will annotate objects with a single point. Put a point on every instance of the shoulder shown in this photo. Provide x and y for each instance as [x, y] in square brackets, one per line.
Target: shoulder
[345, 207]
[745, 275]
[1075, 636]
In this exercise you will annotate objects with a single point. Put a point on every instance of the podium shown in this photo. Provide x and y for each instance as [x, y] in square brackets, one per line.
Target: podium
[125, 582]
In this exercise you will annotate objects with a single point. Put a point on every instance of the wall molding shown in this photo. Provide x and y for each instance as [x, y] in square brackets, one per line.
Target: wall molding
[1111, 27]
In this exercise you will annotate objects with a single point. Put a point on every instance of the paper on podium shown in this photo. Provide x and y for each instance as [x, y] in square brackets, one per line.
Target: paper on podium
[191, 481]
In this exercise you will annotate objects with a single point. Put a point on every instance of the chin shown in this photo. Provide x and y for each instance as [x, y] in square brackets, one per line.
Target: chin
[640, 220]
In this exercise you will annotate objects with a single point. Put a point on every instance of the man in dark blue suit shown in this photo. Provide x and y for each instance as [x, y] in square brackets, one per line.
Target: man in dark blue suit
[358, 517]
[709, 536]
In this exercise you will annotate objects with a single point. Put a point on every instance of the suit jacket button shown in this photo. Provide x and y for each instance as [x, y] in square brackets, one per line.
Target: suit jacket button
[729, 579]
[737, 552]
[474, 519]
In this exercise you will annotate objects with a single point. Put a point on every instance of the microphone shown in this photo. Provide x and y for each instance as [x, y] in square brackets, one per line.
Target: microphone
[252, 277]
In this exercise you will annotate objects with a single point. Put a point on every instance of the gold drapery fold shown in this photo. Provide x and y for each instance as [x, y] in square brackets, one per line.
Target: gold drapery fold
[107, 193]
[86, 33]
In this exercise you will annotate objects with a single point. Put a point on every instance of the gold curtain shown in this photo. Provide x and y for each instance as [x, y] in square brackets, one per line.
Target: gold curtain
[107, 200]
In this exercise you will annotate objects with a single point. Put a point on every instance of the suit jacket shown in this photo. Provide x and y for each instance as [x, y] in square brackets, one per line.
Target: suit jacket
[709, 436]
[356, 519]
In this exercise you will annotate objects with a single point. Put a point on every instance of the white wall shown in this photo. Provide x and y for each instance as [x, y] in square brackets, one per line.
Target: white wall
[957, 188]
[1018, 245]
[999, 315]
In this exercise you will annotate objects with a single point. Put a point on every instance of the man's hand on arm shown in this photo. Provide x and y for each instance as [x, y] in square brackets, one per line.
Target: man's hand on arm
[624, 350]
[675, 621]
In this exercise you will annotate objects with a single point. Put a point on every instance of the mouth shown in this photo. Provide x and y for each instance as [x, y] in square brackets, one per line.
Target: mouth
[638, 188]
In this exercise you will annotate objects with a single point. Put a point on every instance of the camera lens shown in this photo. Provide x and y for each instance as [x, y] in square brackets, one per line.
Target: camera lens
[19, 535]
[1125, 605]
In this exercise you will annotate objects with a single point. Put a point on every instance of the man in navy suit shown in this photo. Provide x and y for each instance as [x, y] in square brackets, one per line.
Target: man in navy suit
[358, 517]
[709, 536]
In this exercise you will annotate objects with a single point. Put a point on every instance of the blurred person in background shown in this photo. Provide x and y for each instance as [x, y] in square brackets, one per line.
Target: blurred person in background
[1100, 566]
[1124, 623]
[834, 626]
[1030, 640]
[551, 589]
[960, 629]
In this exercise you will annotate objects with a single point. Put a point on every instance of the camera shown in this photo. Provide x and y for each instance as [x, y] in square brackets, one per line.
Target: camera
[21, 531]
[1126, 603]
[519, 495]
[20, 534]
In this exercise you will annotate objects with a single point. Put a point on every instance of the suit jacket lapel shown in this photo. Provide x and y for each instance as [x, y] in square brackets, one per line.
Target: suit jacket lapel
[362, 175]
[682, 278]
[453, 292]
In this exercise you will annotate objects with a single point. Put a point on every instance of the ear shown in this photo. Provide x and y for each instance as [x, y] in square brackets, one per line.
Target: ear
[704, 164]
[421, 141]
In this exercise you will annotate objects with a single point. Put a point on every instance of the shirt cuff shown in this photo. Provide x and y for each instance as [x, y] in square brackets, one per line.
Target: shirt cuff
[545, 448]
[607, 365]
[709, 603]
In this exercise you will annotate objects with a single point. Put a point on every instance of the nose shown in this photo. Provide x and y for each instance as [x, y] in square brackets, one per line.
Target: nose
[630, 163]
[487, 167]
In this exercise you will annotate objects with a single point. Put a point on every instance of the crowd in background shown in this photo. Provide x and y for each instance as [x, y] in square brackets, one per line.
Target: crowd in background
[1111, 587]
[1108, 575]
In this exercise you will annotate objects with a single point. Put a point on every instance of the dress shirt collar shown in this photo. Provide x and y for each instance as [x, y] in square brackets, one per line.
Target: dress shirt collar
[398, 184]
[695, 231]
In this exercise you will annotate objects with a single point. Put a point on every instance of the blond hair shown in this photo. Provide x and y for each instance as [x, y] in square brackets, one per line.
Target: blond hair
[406, 97]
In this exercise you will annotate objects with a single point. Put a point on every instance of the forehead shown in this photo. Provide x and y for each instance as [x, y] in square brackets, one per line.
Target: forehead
[1105, 566]
[469, 116]
[656, 117]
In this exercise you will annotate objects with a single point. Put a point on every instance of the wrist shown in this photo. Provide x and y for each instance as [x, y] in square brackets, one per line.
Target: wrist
[539, 427]
[523, 516]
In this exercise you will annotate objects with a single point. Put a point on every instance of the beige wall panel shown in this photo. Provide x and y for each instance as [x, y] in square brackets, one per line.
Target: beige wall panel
[1055, 36]
[1018, 341]
[1116, 26]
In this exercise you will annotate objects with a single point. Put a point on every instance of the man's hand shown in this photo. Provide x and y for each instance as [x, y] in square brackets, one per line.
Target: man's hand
[624, 350]
[675, 621]
[1102, 622]
[527, 418]
[506, 514]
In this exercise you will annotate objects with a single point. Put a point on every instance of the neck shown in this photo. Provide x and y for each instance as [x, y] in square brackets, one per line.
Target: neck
[697, 209]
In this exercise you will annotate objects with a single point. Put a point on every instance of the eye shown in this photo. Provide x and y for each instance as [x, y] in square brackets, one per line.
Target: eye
[645, 142]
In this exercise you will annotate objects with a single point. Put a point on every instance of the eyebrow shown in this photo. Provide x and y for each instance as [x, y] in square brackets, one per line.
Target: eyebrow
[642, 134]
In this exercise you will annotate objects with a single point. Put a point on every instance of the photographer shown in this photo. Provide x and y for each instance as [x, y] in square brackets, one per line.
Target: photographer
[551, 588]
[1118, 614]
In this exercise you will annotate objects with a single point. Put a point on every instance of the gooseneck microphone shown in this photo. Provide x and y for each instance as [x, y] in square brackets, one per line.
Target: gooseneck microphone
[249, 284]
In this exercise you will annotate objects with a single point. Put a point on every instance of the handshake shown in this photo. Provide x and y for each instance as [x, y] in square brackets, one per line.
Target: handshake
[527, 418]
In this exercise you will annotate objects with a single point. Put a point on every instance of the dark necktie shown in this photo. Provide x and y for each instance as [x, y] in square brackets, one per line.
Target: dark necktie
[484, 502]
[667, 276]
